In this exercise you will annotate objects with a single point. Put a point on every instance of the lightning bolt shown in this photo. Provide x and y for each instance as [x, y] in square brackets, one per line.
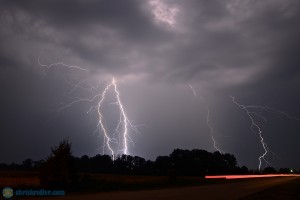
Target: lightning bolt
[121, 131]
[211, 130]
[122, 120]
[275, 111]
[193, 89]
[254, 124]
[62, 64]
[207, 121]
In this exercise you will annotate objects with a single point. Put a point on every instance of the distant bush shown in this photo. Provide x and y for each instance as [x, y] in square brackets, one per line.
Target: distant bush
[269, 170]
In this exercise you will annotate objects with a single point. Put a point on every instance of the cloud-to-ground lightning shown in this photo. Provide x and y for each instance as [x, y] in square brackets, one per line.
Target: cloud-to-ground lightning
[211, 130]
[123, 120]
[120, 135]
[208, 122]
[122, 127]
[255, 124]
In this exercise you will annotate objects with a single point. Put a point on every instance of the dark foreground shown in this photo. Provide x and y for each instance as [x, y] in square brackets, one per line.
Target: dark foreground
[245, 189]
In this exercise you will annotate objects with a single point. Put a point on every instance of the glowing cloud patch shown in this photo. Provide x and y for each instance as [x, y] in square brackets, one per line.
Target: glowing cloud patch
[163, 13]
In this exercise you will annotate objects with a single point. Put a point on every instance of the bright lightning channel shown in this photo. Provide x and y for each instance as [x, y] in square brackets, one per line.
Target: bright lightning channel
[123, 124]
[62, 64]
[211, 130]
[252, 114]
[207, 121]
[254, 123]
[122, 120]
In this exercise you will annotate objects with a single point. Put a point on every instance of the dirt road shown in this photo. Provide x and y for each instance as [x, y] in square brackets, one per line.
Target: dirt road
[233, 190]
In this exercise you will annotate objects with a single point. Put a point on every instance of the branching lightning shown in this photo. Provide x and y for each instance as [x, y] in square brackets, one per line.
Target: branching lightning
[62, 64]
[122, 120]
[116, 141]
[254, 124]
[120, 135]
[276, 111]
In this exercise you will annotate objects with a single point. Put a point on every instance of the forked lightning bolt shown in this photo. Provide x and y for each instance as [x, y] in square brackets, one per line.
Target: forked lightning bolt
[122, 120]
[254, 123]
[123, 123]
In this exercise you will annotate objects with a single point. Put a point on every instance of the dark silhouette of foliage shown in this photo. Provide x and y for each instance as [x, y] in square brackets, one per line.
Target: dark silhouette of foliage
[27, 164]
[284, 170]
[269, 170]
[243, 170]
[59, 170]
[162, 164]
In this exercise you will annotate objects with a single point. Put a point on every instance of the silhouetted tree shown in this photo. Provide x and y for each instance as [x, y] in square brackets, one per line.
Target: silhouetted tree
[38, 164]
[244, 170]
[59, 170]
[123, 164]
[162, 165]
[3, 166]
[138, 165]
[284, 170]
[269, 170]
[99, 163]
[27, 164]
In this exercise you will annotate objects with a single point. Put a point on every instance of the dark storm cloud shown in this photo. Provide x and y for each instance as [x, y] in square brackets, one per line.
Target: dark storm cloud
[248, 49]
[249, 37]
[101, 33]
[124, 15]
[209, 37]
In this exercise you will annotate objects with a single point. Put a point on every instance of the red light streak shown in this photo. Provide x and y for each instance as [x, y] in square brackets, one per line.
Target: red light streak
[250, 176]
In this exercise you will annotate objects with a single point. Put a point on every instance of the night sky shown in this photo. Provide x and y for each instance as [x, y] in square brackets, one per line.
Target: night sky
[155, 50]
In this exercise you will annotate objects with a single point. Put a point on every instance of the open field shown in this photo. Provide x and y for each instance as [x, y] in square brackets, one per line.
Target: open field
[19, 178]
[123, 187]
[242, 189]
[91, 182]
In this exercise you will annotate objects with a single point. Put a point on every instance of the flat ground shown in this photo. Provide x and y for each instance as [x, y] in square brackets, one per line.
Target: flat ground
[260, 188]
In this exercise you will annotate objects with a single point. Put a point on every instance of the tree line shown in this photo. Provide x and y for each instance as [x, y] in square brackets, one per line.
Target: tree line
[194, 162]
[60, 169]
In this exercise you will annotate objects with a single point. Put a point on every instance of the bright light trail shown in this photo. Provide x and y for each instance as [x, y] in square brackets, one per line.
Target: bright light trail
[251, 176]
